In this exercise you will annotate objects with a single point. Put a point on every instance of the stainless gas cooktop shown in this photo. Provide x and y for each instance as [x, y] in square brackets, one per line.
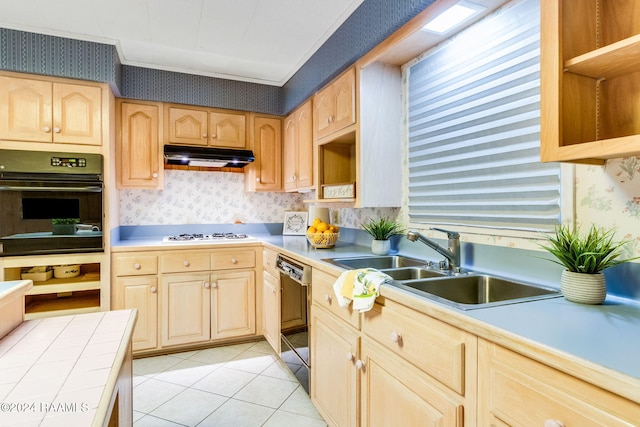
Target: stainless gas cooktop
[208, 238]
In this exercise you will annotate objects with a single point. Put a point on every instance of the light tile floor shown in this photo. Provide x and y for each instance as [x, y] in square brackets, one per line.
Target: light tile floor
[240, 385]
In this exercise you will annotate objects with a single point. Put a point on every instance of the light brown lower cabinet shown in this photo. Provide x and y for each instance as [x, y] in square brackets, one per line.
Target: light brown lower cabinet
[335, 359]
[396, 393]
[514, 390]
[186, 297]
[141, 293]
[207, 306]
[400, 368]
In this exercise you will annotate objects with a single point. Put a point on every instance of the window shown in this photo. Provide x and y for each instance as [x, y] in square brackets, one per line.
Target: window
[473, 124]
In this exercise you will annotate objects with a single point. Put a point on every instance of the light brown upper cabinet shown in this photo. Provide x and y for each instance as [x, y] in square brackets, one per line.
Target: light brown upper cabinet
[45, 111]
[335, 105]
[265, 173]
[203, 126]
[298, 149]
[590, 80]
[138, 149]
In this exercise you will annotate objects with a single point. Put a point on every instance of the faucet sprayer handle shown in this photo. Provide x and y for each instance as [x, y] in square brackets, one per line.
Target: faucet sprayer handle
[450, 234]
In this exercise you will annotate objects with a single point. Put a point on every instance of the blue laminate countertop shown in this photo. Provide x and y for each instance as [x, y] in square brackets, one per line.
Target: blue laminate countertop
[606, 335]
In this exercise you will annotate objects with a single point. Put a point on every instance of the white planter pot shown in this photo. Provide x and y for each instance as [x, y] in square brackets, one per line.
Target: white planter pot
[380, 247]
[583, 288]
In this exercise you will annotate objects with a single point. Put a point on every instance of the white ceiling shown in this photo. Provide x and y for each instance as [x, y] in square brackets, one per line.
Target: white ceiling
[262, 41]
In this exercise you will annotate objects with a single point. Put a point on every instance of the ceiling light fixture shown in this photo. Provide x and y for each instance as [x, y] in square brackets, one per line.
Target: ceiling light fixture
[452, 17]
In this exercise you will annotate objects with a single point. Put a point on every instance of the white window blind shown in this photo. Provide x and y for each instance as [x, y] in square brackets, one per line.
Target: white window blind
[474, 143]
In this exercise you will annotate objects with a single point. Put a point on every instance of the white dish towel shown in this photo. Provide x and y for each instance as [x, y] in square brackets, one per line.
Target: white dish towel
[361, 286]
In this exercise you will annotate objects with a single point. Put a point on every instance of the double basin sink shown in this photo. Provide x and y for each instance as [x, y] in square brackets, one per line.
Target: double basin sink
[465, 290]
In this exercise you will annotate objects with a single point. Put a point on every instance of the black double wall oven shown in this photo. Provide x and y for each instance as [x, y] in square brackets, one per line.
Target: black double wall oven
[39, 189]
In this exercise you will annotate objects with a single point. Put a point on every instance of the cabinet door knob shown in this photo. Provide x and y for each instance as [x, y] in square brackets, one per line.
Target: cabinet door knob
[137, 266]
[207, 285]
[327, 298]
[213, 136]
[350, 356]
[47, 129]
[360, 364]
[56, 129]
[153, 289]
[257, 179]
[155, 174]
[234, 261]
[553, 423]
[214, 285]
[186, 263]
[396, 337]
[204, 135]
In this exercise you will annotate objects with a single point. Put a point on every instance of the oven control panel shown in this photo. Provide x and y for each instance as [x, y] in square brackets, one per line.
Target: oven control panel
[69, 162]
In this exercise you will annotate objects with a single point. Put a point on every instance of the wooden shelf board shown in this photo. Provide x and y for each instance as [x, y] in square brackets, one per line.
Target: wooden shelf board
[54, 286]
[603, 149]
[616, 59]
[60, 306]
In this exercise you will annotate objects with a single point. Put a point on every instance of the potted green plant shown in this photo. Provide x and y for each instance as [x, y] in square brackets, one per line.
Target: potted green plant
[584, 256]
[382, 229]
[62, 226]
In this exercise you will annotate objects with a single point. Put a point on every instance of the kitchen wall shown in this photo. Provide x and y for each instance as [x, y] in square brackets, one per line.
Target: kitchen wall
[194, 197]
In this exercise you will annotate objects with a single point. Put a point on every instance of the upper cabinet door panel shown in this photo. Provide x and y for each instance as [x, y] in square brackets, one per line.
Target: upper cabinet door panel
[344, 101]
[228, 130]
[25, 110]
[304, 127]
[188, 126]
[77, 114]
[323, 106]
[139, 160]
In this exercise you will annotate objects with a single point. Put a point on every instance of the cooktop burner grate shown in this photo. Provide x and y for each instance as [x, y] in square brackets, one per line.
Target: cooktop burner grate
[207, 238]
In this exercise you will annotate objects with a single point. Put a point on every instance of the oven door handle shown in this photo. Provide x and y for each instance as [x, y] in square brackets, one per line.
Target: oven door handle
[84, 189]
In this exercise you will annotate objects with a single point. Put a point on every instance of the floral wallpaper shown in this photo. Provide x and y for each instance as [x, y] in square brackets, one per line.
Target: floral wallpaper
[195, 197]
[609, 196]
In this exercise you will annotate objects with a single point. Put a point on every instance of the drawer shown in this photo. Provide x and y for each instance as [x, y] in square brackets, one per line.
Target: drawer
[435, 347]
[223, 260]
[185, 261]
[322, 295]
[269, 263]
[516, 390]
[135, 264]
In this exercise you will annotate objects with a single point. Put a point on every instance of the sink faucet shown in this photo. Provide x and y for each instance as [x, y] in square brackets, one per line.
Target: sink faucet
[452, 253]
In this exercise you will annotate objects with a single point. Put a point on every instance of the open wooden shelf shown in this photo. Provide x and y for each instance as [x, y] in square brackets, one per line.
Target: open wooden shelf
[40, 306]
[614, 60]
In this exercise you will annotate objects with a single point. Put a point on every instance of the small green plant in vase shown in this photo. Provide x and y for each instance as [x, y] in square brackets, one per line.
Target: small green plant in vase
[382, 229]
[584, 257]
[62, 226]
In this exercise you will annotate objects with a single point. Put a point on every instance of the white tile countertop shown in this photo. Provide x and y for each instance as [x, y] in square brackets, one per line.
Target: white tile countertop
[62, 371]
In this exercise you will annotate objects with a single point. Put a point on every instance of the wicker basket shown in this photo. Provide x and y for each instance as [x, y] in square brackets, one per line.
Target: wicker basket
[323, 240]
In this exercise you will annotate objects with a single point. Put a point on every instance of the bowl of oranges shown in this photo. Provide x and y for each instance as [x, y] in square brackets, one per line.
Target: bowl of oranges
[322, 235]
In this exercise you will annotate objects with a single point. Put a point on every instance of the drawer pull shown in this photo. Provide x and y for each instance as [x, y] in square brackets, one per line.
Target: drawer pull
[186, 263]
[553, 423]
[153, 290]
[327, 298]
[137, 266]
[360, 364]
[396, 337]
[234, 261]
[350, 356]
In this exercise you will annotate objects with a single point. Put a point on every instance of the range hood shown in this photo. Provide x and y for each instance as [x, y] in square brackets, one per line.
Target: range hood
[211, 157]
